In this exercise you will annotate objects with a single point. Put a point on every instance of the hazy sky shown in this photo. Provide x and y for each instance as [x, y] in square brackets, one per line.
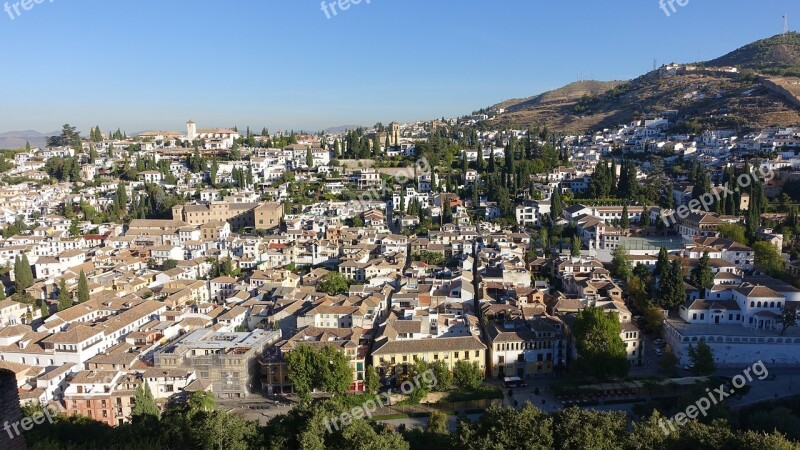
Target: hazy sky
[283, 64]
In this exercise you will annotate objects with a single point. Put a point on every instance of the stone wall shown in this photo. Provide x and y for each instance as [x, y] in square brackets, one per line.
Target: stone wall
[10, 412]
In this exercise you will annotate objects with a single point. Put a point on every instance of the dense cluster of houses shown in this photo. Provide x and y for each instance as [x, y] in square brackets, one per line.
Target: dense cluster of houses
[211, 299]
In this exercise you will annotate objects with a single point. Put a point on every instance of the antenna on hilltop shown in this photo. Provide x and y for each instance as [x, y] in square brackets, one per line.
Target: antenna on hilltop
[785, 24]
[655, 64]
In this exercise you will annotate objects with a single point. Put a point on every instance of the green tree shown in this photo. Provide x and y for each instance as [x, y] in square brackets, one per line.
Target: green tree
[438, 423]
[788, 318]
[556, 204]
[443, 376]
[671, 287]
[44, 308]
[327, 368]
[644, 220]
[447, 212]
[432, 258]
[621, 262]
[702, 185]
[309, 157]
[733, 232]
[702, 277]
[768, 259]
[213, 173]
[653, 319]
[336, 372]
[23, 275]
[467, 374]
[334, 283]
[362, 435]
[601, 351]
[372, 382]
[83, 288]
[506, 428]
[201, 401]
[663, 262]
[668, 363]
[625, 221]
[301, 362]
[577, 428]
[145, 405]
[74, 229]
[64, 297]
[576, 246]
[703, 359]
[781, 419]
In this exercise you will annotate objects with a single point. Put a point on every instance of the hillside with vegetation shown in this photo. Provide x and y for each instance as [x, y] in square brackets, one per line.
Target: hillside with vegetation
[778, 55]
[704, 92]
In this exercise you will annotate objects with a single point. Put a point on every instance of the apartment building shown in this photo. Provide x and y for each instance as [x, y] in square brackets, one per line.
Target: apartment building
[229, 361]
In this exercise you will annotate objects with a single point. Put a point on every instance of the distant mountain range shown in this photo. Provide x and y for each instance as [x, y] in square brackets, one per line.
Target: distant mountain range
[765, 92]
[342, 128]
[17, 139]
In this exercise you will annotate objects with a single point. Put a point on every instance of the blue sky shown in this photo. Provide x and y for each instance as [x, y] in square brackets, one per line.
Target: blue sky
[283, 64]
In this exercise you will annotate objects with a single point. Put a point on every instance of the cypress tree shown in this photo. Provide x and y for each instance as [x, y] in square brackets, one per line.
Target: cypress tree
[556, 204]
[64, 297]
[625, 222]
[663, 262]
[83, 288]
[145, 405]
[23, 275]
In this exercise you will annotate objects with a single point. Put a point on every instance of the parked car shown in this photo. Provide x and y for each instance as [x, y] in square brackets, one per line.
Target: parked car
[659, 352]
